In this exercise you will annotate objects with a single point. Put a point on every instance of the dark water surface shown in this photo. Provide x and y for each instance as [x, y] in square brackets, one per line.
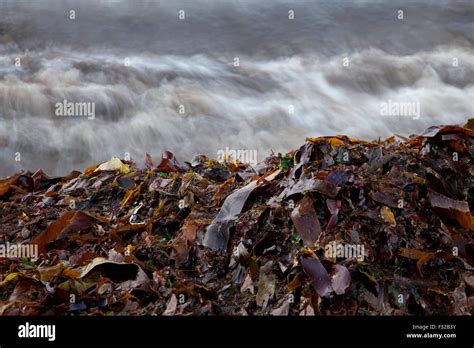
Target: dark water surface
[291, 82]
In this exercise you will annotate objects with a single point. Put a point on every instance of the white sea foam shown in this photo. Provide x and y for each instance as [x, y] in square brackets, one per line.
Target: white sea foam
[286, 87]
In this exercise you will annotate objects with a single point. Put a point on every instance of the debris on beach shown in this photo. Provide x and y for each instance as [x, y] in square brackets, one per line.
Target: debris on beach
[339, 226]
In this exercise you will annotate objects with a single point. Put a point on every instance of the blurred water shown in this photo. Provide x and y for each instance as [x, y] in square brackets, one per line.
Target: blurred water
[291, 82]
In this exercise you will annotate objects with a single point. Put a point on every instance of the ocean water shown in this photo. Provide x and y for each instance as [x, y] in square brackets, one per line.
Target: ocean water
[158, 82]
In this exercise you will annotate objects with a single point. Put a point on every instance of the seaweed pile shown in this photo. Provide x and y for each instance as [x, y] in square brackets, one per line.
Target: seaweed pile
[338, 227]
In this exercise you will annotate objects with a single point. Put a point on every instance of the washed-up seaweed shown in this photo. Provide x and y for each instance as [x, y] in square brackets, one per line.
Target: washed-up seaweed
[338, 227]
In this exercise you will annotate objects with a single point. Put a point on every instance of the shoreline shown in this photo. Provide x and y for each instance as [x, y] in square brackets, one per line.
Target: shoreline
[339, 226]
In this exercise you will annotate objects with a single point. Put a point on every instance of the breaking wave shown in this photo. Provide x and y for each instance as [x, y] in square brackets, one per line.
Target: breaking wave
[266, 103]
